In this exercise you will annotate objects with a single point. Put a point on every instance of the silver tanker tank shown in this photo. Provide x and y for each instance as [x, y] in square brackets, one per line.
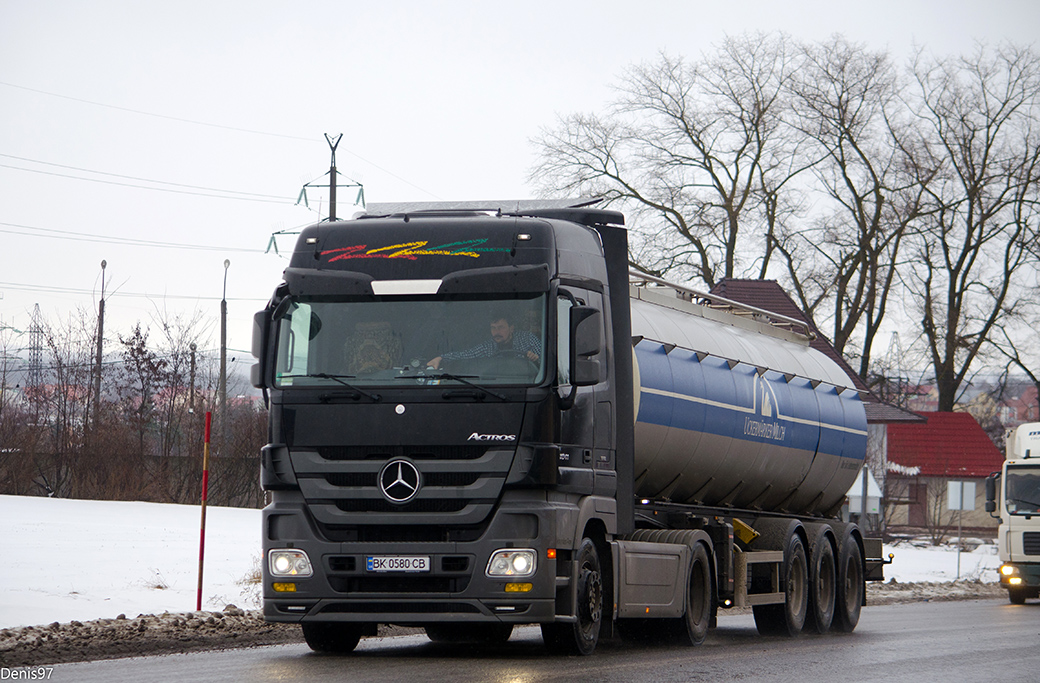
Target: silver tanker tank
[735, 412]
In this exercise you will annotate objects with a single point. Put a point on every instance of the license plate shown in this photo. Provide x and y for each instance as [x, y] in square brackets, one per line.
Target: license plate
[397, 563]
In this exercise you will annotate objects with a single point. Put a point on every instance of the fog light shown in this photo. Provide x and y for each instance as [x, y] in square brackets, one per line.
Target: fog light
[511, 563]
[519, 587]
[1015, 580]
[289, 563]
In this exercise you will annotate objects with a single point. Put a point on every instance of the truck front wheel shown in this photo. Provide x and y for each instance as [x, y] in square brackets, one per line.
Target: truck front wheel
[581, 636]
[332, 637]
[1018, 596]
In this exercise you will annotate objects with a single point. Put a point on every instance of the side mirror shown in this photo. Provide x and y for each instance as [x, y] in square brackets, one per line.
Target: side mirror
[586, 342]
[991, 492]
[261, 330]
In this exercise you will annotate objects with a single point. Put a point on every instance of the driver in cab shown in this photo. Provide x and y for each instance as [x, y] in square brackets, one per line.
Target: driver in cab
[505, 339]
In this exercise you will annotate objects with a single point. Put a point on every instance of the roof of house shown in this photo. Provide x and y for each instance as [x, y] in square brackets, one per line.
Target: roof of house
[769, 295]
[949, 445]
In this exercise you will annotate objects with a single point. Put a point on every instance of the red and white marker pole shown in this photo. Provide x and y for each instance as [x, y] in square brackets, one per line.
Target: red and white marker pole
[205, 491]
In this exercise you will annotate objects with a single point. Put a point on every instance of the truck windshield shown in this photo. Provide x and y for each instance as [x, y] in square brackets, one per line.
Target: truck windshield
[475, 340]
[1023, 490]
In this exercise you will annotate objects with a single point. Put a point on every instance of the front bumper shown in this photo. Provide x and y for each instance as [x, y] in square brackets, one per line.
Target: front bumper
[1022, 575]
[454, 588]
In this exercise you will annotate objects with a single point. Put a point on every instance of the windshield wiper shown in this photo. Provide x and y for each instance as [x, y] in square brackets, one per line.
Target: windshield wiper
[1025, 501]
[464, 379]
[357, 392]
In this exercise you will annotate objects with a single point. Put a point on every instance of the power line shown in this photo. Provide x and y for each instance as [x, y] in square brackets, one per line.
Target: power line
[214, 125]
[146, 187]
[48, 289]
[158, 116]
[108, 239]
[146, 180]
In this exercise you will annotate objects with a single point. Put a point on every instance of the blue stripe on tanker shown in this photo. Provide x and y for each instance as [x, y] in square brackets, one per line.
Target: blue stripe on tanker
[679, 391]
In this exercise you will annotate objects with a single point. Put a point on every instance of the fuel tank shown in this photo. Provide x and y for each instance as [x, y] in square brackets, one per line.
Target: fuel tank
[734, 411]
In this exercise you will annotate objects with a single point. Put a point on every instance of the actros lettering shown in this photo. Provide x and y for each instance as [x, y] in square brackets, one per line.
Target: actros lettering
[491, 437]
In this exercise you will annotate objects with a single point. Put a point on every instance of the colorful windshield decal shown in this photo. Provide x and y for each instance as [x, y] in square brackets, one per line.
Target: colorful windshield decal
[412, 250]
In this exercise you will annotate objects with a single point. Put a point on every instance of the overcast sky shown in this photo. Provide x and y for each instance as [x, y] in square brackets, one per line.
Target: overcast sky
[435, 100]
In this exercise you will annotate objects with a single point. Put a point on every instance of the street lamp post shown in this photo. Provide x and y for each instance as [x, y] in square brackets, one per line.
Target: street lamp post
[223, 363]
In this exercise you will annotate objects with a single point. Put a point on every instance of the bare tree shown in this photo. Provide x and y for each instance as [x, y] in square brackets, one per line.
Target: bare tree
[843, 96]
[977, 154]
[695, 152]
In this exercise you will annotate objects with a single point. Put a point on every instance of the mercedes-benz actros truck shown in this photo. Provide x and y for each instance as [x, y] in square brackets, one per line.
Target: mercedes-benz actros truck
[481, 418]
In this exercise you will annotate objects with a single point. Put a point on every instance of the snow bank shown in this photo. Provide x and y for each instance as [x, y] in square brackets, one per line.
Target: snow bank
[83, 559]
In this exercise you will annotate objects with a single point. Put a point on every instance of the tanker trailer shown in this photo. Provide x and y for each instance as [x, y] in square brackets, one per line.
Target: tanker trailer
[611, 455]
[739, 418]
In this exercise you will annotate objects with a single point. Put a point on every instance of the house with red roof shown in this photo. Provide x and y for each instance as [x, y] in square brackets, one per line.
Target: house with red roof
[923, 458]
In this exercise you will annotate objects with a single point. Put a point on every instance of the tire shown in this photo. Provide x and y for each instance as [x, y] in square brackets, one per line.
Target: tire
[851, 586]
[697, 618]
[337, 638]
[1017, 596]
[477, 634]
[823, 583]
[581, 637]
[788, 619]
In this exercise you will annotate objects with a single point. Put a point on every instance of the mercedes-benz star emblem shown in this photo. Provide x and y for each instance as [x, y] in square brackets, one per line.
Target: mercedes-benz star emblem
[399, 481]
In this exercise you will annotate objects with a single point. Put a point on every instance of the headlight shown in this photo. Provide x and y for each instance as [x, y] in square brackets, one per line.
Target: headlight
[289, 563]
[512, 563]
[1008, 570]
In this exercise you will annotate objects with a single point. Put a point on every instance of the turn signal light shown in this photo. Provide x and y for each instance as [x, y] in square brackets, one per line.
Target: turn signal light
[519, 587]
[284, 587]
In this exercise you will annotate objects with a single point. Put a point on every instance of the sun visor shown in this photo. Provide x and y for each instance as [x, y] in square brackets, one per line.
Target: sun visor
[526, 279]
[307, 282]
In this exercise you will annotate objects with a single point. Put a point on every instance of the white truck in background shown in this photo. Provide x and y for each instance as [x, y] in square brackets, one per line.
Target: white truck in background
[1013, 496]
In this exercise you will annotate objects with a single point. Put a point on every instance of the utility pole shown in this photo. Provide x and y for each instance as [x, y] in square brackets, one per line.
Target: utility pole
[191, 395]
[332, 175]
[223, 364]
[34, 379]
[98, 355]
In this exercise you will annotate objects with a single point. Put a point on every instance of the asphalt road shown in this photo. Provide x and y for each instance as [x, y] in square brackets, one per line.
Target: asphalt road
[986, 640]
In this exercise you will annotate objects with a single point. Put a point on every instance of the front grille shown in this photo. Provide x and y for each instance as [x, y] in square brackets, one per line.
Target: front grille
[385, 533]
[458, 485]
[398, 584]
[413, 452]
[416, 506]
[1031, 543]
[363, 479]
[402, 608]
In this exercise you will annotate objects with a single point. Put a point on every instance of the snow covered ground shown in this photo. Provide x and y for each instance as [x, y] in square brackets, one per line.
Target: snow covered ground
[81, 560]
[84, 559]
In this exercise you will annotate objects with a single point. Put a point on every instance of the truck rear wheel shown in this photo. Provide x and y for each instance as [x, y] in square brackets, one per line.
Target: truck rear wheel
[332, 637]
[851, 585]
[789, 618]
[823, 580]
[581, 636]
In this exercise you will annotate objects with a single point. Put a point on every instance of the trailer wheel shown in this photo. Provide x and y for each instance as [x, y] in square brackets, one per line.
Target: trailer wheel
[789, 618]
[851, 586]
[581, 636]
[479, 634]
[332, 637]
[823, 580]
